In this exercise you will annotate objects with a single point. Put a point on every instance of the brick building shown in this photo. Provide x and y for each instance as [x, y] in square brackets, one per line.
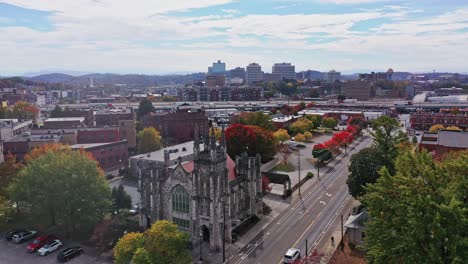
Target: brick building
[128, 132]
[360, 90]
[111, 117]
[64, 122]
[179, 126]
[110, 155]
[21, 145]
[423, 120]
[97, 135]
[443, 142]
[87, 113]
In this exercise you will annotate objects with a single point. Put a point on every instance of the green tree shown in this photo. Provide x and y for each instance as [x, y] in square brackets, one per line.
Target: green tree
[145, 107]
[363, 170]
[316, 120]
[281, 135]
[162, 243]
[120, 198]
[8, 170]
[419, 215]
[329, 122]
[57, 112]
[63, 186]
[149, 140]
[387, 135]
[7, 211]
[301, 125]
[257, 119]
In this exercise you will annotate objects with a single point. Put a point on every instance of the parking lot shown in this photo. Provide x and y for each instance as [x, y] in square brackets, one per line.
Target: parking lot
[12, 253]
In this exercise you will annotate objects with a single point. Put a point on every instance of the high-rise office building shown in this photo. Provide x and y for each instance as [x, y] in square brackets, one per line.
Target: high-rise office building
[253, 73]
[238, 72]
[217, 68]
[285, 70]
[331, 76]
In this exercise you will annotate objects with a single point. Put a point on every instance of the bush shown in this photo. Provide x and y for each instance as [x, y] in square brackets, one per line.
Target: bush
[310, 175]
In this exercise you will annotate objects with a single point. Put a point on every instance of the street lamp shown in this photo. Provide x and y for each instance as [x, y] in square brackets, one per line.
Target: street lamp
[201, 241]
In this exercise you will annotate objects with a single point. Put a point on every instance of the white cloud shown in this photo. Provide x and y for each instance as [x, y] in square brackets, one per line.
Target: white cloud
[122, 36]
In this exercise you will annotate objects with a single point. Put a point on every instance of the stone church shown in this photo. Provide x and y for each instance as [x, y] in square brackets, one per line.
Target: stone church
[199, 187]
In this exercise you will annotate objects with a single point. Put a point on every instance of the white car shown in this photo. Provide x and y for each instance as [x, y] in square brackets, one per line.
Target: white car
[49, 248]
[292, 255]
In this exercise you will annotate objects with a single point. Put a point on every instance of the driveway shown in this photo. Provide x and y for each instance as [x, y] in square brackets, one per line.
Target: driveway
[16, 253]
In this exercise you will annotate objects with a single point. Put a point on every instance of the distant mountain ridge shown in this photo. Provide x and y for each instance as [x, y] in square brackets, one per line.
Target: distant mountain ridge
[134, 80]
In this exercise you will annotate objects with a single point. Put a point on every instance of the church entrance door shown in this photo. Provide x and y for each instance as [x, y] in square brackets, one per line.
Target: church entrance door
[205, 233]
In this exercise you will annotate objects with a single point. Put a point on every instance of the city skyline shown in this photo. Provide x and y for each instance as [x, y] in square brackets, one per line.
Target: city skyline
[186, 36]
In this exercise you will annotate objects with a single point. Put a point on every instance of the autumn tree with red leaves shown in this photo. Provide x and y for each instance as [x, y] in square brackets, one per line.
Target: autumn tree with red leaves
[251, 139]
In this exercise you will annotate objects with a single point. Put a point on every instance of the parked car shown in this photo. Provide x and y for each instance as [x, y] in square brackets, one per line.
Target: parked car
[292, 255]
[24, 236]
[50, 247]
[134, 211]
[9, 235]
[69, 253]
[39, 242]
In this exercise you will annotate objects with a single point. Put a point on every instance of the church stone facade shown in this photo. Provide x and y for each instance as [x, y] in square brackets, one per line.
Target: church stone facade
[202, 190]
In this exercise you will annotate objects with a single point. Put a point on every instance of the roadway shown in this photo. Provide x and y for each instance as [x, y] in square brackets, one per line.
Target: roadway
[367, 105]
[306, 218]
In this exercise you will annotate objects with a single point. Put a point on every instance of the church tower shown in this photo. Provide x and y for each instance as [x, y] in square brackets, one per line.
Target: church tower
[211, 188]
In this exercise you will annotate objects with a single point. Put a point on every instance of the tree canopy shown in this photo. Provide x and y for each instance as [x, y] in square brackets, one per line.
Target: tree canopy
[329, 122]
[419, 215]
[162, 243]
[62, 186]
[301, 125]
[387, 135]
[252, 139]
[364, 169]
[281, 135]
[145, 107]
[256, 119]
[8, 170]
[120, 198]
[21, 110]
[435, 128]
[149, 140]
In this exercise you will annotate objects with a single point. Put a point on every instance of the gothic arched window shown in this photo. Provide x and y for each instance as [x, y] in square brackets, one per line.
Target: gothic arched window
[180, 200]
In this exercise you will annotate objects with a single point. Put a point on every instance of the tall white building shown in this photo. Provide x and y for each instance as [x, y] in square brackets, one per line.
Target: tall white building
[285, 70]
[253, 73]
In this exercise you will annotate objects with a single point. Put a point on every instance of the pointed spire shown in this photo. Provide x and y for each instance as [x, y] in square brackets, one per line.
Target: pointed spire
[223, 137]
[212, 137]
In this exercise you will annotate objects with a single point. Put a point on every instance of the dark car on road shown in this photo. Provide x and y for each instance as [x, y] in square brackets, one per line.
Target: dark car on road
[9, 235]
[69, 253]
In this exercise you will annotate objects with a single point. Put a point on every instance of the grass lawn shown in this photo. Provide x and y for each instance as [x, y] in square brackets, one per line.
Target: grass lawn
[288, 167]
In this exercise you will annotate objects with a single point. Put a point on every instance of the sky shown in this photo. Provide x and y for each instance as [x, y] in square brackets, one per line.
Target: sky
[180, 36]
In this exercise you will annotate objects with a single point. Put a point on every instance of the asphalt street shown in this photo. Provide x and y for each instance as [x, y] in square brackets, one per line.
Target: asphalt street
[306, 218]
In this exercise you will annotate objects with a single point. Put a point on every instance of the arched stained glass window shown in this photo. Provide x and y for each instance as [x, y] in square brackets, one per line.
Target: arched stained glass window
[180, 200]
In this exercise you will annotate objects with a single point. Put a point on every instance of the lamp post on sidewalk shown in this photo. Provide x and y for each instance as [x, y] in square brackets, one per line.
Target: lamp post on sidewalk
[201, 243]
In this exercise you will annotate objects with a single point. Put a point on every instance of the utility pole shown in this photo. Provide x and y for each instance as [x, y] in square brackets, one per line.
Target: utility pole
[224, 229]
[299, 165]
[342, 241]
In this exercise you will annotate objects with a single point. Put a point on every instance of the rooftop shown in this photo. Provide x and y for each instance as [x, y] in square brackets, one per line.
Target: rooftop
[115, 111]
[183, 149]
[34, 138]
[455, 139]
[63, 119]
[93, 145]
